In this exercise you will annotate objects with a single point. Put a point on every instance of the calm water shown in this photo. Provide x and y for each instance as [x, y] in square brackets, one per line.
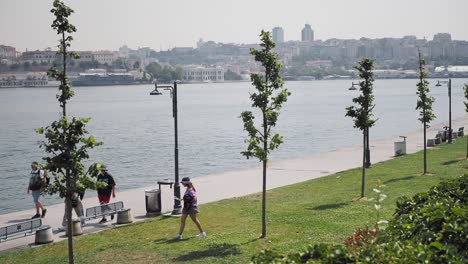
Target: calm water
[138, 133]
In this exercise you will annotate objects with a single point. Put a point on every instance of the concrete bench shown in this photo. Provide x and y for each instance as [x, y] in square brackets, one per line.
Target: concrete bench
[20, 229]
[431, 142]
[104, 210]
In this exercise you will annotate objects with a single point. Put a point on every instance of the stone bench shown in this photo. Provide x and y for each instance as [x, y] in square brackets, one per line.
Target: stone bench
[24, 228]
[103, 210]
[431, 142]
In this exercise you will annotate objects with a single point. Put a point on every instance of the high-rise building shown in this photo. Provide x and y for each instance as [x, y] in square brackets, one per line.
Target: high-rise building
[278, 35]
[307, 33]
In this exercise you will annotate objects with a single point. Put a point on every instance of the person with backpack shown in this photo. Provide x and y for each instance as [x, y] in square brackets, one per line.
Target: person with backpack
[190, 208]
[36, 182]
[104, 193]
[76, 204]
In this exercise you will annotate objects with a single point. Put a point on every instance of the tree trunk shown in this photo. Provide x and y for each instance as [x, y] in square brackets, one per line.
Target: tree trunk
[265, 146]
[363, 163]
[68, 207]
[368, 163]
[425, 157]
[64, 103]
[264, 201]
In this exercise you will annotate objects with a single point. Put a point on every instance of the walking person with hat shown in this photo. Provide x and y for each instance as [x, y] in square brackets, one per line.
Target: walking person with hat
[36, 182]
[104, 193]
[190, 208]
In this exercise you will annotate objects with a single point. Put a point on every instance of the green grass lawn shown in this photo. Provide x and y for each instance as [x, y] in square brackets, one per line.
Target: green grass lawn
[315, 211]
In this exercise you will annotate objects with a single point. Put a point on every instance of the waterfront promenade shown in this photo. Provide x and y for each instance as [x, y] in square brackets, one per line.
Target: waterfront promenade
[233, 184]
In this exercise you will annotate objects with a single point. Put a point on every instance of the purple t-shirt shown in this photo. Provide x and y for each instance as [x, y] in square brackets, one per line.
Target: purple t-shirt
[189, 200]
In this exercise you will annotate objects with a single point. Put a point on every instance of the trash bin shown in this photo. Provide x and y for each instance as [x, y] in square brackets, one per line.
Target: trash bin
[400, 147]
[153, 202]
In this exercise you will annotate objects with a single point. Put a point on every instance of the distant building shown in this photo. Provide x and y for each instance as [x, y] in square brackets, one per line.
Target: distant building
[182, 50]
[46, 56]
[7, 52]
[442, 37]
[194, 73]
[124, 51]
[85, 56]
[307, 34]
[104, 57]
[278, 35]
[321, 64]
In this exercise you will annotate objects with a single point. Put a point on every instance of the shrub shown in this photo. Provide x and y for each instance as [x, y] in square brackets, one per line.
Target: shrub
[430, 227]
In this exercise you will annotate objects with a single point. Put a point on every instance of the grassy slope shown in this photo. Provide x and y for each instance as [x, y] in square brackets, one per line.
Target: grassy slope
[315, 211]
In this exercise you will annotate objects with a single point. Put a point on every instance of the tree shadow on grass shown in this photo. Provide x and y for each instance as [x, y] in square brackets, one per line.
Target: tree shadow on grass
[218, 251]
[328, 206]
[407, 178]
[451, 162]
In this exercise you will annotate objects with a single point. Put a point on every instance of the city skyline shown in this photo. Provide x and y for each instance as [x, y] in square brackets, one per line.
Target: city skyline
[107, 25]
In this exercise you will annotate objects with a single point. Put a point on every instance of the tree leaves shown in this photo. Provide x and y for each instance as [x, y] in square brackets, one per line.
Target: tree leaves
[268, 98]
[362, 115]
[425, 101]
[66, 140]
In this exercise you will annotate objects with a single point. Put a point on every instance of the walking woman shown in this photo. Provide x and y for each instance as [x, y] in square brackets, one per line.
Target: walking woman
[190, 208]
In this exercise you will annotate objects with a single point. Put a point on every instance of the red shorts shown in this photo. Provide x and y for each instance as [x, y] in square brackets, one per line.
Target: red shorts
[103, 198]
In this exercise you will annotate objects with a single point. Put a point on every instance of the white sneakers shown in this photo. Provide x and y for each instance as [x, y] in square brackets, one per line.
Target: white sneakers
[201, 235]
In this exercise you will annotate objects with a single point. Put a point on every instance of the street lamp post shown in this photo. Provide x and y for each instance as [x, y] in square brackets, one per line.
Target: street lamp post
[173, 89]
[450, 110]
[449, 86]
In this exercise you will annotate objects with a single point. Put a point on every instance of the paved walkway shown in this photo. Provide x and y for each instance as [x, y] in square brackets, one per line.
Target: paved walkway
[214, 187]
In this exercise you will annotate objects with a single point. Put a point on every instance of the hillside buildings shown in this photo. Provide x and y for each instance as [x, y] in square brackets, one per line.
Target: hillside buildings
[209, 60]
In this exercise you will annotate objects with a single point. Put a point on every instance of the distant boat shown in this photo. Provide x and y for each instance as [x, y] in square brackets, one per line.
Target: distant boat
[98, 79]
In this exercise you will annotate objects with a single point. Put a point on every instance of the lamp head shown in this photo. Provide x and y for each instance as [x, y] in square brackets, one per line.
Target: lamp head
[155, 91]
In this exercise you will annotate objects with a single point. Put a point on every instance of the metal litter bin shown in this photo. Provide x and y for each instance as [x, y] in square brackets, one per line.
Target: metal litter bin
[400, 147]
[153, 202]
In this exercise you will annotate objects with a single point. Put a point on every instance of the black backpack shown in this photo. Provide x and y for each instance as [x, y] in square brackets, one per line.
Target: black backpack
[35, 182]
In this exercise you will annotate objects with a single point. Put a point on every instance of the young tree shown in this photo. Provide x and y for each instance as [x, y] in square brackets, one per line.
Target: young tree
[362, 115]
[465, 88]
[67, 140]
[269, 99]
[424, 103]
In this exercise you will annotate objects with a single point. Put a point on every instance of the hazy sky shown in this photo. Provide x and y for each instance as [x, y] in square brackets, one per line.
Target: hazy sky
[109, 24]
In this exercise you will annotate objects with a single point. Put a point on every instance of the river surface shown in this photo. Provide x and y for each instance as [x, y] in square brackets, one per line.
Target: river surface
[138, 129]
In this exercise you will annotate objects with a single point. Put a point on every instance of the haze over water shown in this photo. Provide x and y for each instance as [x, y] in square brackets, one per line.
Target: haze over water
[138, 132]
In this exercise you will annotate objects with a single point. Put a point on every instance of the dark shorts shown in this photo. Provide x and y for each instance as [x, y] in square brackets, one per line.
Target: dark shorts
[191, 211]
[103, 199]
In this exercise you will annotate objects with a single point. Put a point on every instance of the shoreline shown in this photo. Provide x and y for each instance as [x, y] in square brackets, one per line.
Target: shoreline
[243, 182]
